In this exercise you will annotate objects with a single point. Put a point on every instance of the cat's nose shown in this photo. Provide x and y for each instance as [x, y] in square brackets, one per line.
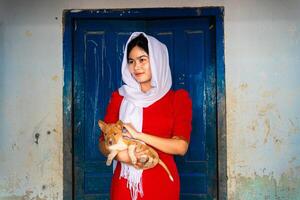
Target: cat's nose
[110, 142]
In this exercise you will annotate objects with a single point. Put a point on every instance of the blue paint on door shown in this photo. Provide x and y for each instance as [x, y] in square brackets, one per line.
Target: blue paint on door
[98, 50]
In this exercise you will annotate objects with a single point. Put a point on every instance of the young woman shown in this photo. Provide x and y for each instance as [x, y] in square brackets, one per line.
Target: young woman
[153, 113]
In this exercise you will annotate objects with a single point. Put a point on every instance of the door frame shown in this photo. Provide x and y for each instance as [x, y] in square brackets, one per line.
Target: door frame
[69, 16]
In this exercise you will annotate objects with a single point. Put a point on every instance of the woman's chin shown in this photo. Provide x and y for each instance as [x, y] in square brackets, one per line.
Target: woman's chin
[140, 79]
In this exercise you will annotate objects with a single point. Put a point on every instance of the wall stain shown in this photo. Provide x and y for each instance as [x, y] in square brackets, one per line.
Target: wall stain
[231, 108]
[254, 125]
[266, 94]
[293, 128]
[293, 159]
[54, 78]
[14, 147]
[277, 143]
[267, 129]
[28, 33]
[243, 86]
[263, 110]
[58, 137]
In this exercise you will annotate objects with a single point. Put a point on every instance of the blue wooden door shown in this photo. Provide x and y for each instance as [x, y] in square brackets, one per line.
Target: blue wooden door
[98, 52]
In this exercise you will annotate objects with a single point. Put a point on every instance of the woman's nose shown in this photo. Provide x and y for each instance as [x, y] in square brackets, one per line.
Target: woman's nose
[137, 65]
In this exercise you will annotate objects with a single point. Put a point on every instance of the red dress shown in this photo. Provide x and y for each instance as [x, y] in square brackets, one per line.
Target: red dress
[170, 116]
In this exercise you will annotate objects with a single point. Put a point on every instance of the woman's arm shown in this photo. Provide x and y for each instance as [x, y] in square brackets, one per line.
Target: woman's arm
[173, 145]
[123, 156]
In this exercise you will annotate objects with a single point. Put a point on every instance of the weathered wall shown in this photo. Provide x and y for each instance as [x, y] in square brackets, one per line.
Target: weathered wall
[263, 124]
[263, 119]
[262, 65]
[31, 96]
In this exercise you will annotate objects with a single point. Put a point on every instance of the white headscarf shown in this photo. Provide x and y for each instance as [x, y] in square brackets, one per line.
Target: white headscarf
[131, 110]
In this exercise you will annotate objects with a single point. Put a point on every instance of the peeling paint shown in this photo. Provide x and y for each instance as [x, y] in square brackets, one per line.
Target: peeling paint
[261, 137]
[199, 12]
[267, 187]
[75, 11]
[12, 182]
[27, 196]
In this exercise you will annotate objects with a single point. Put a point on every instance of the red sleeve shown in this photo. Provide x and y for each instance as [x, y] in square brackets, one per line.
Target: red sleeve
[183, 115]
[112, 110]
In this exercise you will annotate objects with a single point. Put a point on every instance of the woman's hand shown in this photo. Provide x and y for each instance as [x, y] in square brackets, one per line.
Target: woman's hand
[174, 146]
[131, 131]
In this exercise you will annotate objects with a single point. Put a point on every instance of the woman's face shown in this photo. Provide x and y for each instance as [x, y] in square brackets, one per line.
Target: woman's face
[139, 67]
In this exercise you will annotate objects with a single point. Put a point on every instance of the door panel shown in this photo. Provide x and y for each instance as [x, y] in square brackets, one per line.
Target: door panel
[189, 44]
[98, 53]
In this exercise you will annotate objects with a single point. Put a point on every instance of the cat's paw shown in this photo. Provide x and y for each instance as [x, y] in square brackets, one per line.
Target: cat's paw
[144, 158]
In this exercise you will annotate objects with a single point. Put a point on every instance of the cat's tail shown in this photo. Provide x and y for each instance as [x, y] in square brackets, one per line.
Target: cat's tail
[166, 168]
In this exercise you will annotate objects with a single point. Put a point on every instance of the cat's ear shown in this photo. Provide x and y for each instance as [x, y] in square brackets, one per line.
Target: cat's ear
[119, 124]
[102, 125]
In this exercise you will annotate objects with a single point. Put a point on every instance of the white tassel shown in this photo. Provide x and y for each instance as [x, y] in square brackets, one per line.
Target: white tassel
[134, 180]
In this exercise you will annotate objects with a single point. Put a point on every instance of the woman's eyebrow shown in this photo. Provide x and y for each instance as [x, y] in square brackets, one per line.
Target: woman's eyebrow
[139, 57]
[142, 56]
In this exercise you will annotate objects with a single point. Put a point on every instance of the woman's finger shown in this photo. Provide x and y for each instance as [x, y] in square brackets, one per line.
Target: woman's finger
[129, 127]
[138, 165]
[142, 153]
[127, 135]
[131, 130]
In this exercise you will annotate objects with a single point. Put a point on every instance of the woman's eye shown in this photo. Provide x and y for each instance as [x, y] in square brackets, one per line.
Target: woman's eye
[143, 59]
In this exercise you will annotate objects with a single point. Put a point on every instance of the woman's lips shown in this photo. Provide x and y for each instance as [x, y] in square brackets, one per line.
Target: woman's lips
[138, 74]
